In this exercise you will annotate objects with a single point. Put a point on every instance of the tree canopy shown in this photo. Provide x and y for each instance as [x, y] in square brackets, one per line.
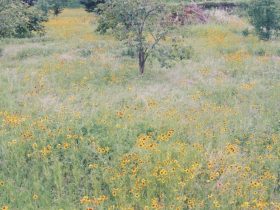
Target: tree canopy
[265, 17]
[20, 20]
[141, 24]
[92, 5]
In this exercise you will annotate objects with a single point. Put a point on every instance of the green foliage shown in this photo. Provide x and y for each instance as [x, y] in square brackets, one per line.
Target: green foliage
[246, 32]
[91, 5]
[265, 17]
[55, 6]
[168, 56]
[129, 52]
[260, 52]
[73, 4]
[278, 52]
[43, 6]
[140, 24]
[86, 53]
[30, 52]
[30, 2]
[20, 20]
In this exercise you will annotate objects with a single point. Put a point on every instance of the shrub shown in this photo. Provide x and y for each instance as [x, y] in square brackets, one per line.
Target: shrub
[19, 19]
[170, 55]
[1, 52]
[265, 17]
[55, 6]
[245, 32]
[30, 2]
[91, 5]
[85, 53]
[260, 52]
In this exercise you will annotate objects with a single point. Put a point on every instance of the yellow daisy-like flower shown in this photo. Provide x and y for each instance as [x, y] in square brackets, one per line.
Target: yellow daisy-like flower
[163, 172]
[5, 208]
[35, 197]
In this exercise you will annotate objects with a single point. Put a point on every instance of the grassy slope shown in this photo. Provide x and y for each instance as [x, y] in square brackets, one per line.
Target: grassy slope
[76, 120]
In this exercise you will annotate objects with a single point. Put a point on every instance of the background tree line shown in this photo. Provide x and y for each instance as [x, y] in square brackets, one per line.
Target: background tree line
[24, 18]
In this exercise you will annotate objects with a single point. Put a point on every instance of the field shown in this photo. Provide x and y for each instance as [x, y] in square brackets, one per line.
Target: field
[81, 129]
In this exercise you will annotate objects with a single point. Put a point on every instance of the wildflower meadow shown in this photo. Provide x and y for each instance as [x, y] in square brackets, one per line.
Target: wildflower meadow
[81, 129]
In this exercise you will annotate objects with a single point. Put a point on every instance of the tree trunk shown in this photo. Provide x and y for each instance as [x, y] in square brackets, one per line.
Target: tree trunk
[142, 61]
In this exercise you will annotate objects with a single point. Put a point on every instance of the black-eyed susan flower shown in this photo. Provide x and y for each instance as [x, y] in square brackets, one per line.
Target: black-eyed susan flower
[5, 208]
[35, 197]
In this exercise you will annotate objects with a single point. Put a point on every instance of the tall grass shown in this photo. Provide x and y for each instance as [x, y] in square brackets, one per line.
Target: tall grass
[81, 130]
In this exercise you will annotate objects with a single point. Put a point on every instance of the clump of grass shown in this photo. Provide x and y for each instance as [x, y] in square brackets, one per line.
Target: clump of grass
[31, 52]
[278, 52]
[85, 53]
[130, 52]
[260, 52]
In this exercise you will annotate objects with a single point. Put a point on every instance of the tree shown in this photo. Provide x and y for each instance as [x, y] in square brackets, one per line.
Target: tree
[265, 17]
[141, 24]
[56, 6]
[92, 5]
[20, 20]
[30, 2]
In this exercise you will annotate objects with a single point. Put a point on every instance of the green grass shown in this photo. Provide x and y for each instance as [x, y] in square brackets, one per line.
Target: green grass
[81, 129]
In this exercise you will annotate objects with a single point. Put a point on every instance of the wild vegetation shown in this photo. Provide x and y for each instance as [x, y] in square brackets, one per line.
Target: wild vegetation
[135, 22]
[91, 5]
[81, 129]
[265, 16]
[19, 20]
